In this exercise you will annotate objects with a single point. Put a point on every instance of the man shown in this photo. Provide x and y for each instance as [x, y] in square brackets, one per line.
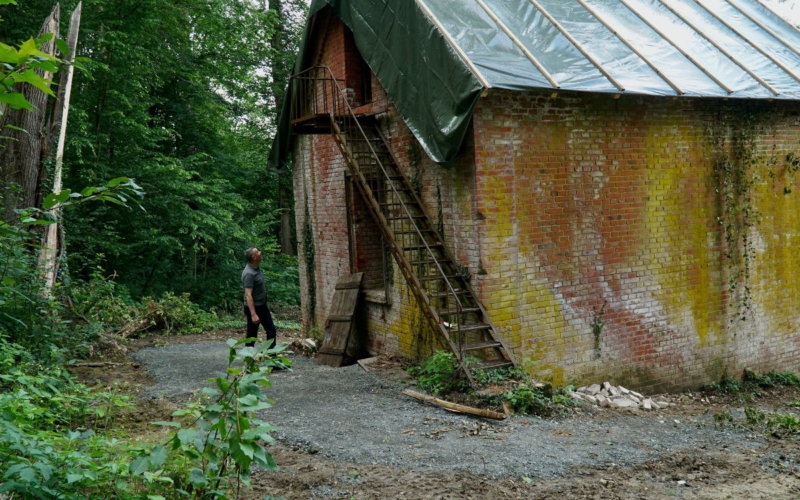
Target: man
[255, 298]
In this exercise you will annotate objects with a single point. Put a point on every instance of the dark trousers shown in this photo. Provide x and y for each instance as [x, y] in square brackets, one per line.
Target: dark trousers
[265, 318]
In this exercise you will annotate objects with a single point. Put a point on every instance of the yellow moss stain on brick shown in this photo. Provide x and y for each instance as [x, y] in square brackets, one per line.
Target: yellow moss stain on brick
[776, 266]
[679, 244]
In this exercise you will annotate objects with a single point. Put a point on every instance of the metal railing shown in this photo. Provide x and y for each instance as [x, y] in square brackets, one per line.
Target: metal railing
[318, 96]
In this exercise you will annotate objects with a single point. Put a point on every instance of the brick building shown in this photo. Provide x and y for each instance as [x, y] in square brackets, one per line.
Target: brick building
[616, 183]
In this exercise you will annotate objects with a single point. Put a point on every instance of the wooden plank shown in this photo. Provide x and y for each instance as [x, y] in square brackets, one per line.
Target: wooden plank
[343, 317]
[340, 323]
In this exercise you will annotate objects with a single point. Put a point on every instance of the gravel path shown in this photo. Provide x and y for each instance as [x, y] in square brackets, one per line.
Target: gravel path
[353, 416]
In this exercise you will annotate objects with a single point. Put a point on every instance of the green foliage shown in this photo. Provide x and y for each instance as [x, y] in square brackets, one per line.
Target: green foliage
[439, 374]
[752, 384]
[19, 66]
[225, 438]
[52, 443]
[773, 423]
[46, 448]
[524, 399]
[498, 375]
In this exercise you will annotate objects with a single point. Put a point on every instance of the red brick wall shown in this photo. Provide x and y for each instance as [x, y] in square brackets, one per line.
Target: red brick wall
[590, 229]
[602, 210]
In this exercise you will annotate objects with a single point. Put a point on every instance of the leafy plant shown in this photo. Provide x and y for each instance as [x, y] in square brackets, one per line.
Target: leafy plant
[439, 374]
[215, 453]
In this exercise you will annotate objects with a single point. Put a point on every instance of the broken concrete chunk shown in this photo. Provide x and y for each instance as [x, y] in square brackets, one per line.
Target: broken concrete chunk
[647, 404]
[661, 399]
[606, 386]
[581, 389]
[590, 399]
[604, 402]
[634, 399]
[604, 393]
[621, 403]
[577, 396]
[662, 405]
[623, 390]
[593, 389]
[637, 395]
[613, 391]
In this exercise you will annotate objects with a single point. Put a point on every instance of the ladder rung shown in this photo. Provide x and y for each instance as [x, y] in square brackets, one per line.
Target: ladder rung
[470, 328]
[481, 345]
[426, 261]
[448, 294]
[434, 278]
[406, 218]
[422, 247]
[447, 312]
[415, 232]
[495, 363]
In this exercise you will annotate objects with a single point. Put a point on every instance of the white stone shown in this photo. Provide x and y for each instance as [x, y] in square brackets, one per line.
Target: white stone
[604, 402]
[613, 391]
[637, 394]
[577, 396]
[591, 399]
[581, 389]
[661, 405]
[606, 386]
[604, 393]
[621, 403]
[593, 389]
[623, 390]
[661, 399]
[634, 399]
[647, 404]
[309, 344]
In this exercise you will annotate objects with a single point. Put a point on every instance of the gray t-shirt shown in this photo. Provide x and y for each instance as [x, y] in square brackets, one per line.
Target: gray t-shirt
[252, 278]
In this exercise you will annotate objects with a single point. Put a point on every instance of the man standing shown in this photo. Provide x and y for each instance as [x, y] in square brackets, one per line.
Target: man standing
[255, 298]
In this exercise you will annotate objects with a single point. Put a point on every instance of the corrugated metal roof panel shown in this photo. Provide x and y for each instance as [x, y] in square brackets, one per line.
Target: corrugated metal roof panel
[705, 48]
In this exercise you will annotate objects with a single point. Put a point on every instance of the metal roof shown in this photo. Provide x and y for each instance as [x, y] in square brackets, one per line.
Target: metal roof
[706, 48]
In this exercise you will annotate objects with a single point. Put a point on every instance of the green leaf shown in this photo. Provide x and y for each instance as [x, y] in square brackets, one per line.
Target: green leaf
[158, 456]
[155, 497]
[139, 465]
[116, 182]
[74, 478]
[162, 423]
[197, 477]
[15, 100]
[187, 435]
[31, 77]
[28, 474]
[62, 47]
[8, 2]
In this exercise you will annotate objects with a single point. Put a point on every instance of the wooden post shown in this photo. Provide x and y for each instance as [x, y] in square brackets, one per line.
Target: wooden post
[48, 264]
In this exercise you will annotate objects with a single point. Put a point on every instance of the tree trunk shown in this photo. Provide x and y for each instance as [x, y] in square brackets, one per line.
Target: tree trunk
[22, 150]
[47, 259]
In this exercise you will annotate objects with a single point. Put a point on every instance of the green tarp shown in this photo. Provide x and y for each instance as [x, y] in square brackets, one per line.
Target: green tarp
[431, 87]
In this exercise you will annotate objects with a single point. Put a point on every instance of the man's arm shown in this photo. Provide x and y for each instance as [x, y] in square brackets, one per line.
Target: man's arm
[248, 293]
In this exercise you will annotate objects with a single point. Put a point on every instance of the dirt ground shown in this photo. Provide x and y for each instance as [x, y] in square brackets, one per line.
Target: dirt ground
[765, 467]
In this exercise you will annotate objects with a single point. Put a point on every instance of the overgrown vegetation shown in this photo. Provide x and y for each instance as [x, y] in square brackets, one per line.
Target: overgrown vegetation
[440, 376]
[173, 95]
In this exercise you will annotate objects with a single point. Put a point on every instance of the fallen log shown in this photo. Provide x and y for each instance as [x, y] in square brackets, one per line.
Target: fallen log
[447, 405]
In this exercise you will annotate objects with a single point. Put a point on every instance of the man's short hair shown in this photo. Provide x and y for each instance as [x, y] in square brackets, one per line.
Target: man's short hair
[249, 254]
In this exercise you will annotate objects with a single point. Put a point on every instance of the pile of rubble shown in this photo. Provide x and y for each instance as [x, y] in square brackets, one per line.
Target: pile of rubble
[608, 396]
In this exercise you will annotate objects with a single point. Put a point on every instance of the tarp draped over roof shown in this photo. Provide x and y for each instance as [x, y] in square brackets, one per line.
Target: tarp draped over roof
[701, 48]
[428, 83]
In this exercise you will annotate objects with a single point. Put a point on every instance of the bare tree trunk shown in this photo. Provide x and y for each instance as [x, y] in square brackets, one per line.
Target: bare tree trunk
[22, 150]
[47, 260]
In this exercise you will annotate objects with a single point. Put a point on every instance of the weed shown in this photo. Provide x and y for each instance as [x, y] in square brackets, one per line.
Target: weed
[439, 374]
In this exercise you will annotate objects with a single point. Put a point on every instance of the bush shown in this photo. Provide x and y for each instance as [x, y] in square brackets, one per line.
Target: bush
[439, 374]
